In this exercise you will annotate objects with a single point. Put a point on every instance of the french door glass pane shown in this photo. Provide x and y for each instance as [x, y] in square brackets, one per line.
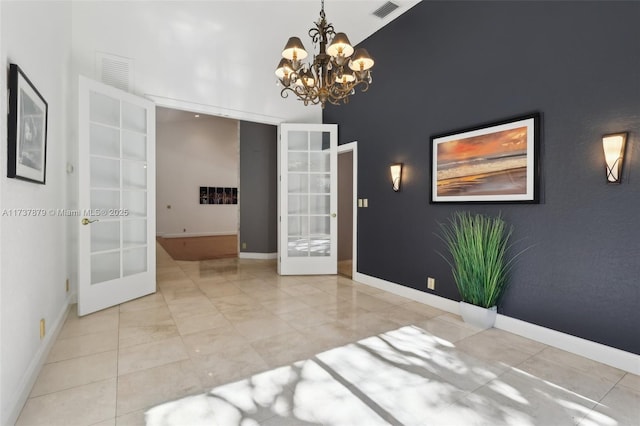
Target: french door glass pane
[319, 204]
[320, 247]
[298, 247]
[105, 267]
[134, 261]
[134, 118]
[134, 175]
[105, 173]
[316, 141]
[319, 225]
[105, 140]
[134, 146]
[104, 109]
[105, 236]
[298, 183]
[298, 141]
[320, 183]
[319, 162]
[135, 203]
[134, 232]
[298, 225]
[105, 199]
[298, 204]
[298, 162]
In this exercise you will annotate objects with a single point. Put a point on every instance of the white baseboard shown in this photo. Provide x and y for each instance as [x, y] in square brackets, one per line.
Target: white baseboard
[247, 255]
[604, 354]
[197, 234]
[21, 394]
[408, 292]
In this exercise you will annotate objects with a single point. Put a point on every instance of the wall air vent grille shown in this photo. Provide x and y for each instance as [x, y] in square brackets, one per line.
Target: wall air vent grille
[115, 71]
[384, 10]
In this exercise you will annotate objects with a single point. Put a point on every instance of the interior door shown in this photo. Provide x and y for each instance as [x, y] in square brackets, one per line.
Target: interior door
[116, 167]
[307, 243]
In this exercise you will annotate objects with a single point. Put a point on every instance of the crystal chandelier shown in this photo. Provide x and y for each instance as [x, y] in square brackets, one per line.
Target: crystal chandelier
[333, 75]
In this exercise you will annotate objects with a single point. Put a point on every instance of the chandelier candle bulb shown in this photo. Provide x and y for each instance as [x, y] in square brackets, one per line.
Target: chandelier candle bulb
[327, 77]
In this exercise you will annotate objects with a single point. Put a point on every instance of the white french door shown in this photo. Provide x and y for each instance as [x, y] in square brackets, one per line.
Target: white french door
[307, 242]
[116, 167]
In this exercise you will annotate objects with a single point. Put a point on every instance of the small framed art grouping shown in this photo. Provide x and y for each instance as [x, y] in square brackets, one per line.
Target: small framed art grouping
[27, 129]
[492, 163]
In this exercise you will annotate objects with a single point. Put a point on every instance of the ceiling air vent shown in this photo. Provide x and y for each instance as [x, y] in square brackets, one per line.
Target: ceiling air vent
[115, 71]
[385, 9]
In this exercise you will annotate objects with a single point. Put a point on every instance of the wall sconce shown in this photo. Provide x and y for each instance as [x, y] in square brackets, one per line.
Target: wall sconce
[396, 176]
[613, 146]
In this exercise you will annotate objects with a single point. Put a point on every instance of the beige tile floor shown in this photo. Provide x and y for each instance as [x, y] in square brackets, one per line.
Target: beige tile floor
[213, 323]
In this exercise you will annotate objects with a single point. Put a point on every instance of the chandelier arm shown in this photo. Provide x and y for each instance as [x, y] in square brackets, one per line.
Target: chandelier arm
[306, 97]
[342, 91]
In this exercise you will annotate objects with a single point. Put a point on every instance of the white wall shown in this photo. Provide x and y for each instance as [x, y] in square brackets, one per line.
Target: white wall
[36, 36]
[189, 55]
[192, 153]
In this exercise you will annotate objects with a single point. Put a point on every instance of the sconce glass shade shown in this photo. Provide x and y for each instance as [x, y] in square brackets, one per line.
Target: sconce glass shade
[396, 176]
[613, 146]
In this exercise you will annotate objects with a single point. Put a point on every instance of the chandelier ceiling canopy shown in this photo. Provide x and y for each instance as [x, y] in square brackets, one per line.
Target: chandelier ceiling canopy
[333, 74]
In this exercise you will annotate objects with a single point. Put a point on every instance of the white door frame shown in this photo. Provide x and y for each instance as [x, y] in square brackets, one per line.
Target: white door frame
[353, 147]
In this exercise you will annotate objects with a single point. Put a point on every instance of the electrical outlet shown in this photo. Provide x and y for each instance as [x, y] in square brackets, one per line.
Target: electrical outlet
[42, 329]
[431, 283]
[66, 285]
[184, 230]
[244, 246]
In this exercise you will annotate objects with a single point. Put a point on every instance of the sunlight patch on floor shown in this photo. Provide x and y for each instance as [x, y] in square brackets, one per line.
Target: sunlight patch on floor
[400, 377]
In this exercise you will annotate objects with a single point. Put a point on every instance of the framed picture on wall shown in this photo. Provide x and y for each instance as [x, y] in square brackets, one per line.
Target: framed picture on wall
[27, 129]
[491, 163]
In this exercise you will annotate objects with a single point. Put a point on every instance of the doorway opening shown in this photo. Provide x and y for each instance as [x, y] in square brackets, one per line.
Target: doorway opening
[197, 203]
[347, 213]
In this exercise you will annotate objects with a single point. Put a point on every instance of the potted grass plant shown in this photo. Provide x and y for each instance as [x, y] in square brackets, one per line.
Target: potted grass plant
[478, 245]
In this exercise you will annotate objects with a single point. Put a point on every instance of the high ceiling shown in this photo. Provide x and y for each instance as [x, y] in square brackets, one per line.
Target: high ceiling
[215, 57]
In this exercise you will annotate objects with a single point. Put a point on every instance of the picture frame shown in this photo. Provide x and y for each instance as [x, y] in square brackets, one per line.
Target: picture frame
[27, 129]
[218, 195]
[496, 162]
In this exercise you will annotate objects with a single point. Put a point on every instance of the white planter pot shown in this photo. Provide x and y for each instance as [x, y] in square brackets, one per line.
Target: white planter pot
[478, 316]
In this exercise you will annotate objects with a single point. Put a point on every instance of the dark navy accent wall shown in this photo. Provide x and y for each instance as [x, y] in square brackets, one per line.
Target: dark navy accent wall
[448, 65]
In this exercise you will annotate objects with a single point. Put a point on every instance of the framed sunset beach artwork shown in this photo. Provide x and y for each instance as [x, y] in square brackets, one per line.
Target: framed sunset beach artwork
[492, 163]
